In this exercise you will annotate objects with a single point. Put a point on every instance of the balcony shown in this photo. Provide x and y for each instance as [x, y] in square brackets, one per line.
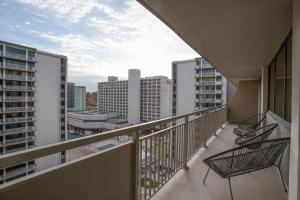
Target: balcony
[204, 83]
[18, 109]
[17, 67]
[207, 100]
[17, 141]
[15, 56]
[264, 184]
[17, 120]
[18, 99]
[15, 77]
[17, 88]
[207, 91]
[146, 167]
[18, 171]
[17, 130]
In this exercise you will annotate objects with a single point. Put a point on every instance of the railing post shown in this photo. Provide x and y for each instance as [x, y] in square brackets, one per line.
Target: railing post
[136, 167]
[185, 143]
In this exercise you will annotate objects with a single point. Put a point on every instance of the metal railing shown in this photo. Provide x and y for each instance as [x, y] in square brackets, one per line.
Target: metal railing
[15, 77]
[208, 91]
[18, 120]
[17, 140]
[156, 151]
[18, 88]
[15, 98]
[18, 109]
[15, 56]
[18, 171]
[17, 130]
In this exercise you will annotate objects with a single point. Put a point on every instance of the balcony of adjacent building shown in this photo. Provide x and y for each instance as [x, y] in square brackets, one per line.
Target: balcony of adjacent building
[17, 87]
[13, 120]
[18, 56]
[18, 140]
[17, 99]
[18, 130]
[17, 109]
[17, 67]
[13, 77]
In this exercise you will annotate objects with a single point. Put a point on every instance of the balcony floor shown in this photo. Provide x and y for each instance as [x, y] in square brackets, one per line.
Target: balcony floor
[187, 185]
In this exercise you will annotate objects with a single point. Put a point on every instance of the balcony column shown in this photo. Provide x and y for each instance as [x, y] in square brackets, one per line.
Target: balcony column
[136, 164]
[294, 180]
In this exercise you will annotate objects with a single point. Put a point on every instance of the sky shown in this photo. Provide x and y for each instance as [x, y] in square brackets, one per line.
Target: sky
[99, 37]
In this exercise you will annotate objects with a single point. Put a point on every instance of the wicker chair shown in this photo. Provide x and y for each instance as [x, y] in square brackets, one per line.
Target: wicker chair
[245, 159]
[257, 135]
[249, 124]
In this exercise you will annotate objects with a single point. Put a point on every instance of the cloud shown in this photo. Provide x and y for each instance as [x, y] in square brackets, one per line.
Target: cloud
[71, 10]
[27, 22]
[102, 40]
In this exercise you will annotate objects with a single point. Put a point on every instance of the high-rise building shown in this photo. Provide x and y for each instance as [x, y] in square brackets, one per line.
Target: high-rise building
[32, 106]
[70, 96]
[136, 99]
[207, 87]
[76, 98]
[80, 98]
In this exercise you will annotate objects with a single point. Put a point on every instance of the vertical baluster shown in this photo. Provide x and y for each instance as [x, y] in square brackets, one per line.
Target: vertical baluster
[150, 167]
[155, 163]
[146, 170]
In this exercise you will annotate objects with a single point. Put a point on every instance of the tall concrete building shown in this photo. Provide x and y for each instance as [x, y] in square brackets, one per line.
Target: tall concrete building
[32, 106]
[76, 98]
[136, 99]
[207, 87]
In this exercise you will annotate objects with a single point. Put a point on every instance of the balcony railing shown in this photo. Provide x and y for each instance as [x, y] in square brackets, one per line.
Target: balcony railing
[137, 168]
[17, 120]
[15, 56]
[14, 66]
[18, 109]
[17, 88]
[17, 130]
[18, 171]
[17, 141]
[15, 99]
[15, 77]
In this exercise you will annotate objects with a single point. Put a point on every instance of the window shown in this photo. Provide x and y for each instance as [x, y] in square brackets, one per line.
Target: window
[280, 85]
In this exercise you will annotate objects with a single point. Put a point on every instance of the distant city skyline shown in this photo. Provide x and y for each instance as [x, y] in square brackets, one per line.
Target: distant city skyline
[100, 38]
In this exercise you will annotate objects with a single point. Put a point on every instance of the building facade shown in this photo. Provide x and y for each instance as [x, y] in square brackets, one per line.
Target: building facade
[136, 99]
[70, 96]
[33, 87]
[80, 98]
[76, 98]
[208, 87]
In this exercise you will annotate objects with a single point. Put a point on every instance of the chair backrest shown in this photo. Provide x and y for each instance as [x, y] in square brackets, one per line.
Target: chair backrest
[253, 122]
[245, 158]
[257, 135]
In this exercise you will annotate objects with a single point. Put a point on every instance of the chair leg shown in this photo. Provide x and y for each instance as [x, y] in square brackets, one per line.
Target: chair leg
[282, 179]
[230, 188]
[206, 175]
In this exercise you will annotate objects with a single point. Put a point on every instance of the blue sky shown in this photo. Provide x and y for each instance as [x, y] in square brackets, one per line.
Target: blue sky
[100, 37]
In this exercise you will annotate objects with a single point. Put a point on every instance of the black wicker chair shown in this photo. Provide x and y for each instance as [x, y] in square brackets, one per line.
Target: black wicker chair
[257, 135]
[245, 159]
[249, 124]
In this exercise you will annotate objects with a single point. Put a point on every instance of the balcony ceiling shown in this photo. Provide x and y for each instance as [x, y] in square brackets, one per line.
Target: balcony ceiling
[237, 37]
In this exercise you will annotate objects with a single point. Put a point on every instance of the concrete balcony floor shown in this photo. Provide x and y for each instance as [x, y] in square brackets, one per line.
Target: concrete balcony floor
[187, 185]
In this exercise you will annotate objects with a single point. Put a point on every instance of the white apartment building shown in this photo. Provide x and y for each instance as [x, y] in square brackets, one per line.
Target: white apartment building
[32, 104]
[207, 87]
[136, 99]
